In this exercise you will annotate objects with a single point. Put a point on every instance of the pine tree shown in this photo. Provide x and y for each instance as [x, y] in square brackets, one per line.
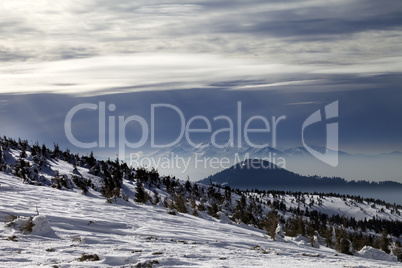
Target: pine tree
[140, 195]
[201, 206]
[270, 223]
[213, 210]
[91, 160]
[180, 203]
[342, 243]
[384, 242]
[187, 185]
[397, 251]
[228, 193]
[194, 207]
[156, 197]
[329, 234]
[301, 226]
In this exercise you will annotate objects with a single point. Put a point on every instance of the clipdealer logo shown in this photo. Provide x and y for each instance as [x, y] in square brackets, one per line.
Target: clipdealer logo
[330, 156]
[115, 127]
[242, 127]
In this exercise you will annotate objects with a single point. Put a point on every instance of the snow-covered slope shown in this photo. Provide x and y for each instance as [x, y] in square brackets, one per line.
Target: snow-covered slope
[127, 234]
[342, 206]
[62, 210]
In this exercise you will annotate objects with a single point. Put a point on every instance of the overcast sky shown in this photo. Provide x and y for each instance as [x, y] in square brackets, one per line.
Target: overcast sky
[276, 57]
[96, 47]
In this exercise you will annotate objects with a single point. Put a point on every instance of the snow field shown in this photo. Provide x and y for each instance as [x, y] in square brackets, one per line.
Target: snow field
[126, 234]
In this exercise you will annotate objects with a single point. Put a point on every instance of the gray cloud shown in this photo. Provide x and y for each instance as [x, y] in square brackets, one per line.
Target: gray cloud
[271, 30]
[158, 71]
[100, 47]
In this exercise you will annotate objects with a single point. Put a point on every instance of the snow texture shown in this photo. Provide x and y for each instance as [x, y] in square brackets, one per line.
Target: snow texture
[126, 234]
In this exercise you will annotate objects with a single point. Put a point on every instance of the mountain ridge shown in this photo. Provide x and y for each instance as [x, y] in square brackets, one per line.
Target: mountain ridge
[372, 167]
[261, 174]
[187, 150]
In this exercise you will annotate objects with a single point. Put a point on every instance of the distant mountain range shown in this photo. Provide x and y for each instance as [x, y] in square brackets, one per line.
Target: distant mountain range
[209, 150]
[260, 174]
[374, 167]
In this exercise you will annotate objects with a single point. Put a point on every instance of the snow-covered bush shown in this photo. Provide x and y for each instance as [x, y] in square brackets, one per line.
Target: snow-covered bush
[376, 254]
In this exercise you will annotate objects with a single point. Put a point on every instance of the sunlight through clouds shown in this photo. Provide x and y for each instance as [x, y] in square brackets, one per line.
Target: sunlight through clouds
[145, 72]
[100, 47]
[136, 72]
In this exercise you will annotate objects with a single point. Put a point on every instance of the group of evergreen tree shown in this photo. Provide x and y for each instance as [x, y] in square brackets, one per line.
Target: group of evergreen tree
[266, 210]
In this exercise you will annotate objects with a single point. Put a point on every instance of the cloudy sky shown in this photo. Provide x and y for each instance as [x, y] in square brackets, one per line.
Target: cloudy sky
[275, 57]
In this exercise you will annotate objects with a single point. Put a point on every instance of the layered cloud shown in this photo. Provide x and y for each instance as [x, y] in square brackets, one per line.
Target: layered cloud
[145, 72]
[99, 46]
